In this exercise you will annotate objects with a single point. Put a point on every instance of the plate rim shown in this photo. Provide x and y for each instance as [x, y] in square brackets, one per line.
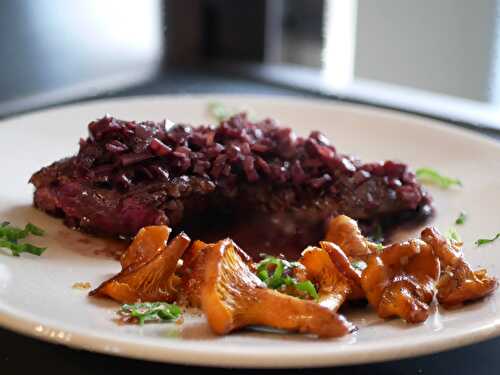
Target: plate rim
[23, 322]
[431, 122]
[189, 353]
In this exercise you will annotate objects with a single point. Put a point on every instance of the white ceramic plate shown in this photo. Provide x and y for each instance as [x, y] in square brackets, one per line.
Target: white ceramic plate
[36, 294]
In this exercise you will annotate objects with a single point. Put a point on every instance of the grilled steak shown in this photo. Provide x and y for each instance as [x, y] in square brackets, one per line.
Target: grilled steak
[255, 181]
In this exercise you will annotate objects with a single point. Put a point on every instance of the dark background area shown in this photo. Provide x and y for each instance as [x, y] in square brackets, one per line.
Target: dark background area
[403, 55]
[34, 356]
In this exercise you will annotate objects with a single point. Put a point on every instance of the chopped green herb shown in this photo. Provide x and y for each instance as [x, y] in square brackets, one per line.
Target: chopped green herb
[263, 274]
[289, 281]
[461, 218]
[17, 249]
[378, 234]
[33, 229]
[10, 235]
[429, 175]
[453, 236]
[359, 264]
[222, 113]
[275, 279]
[484, 241]
[150, 312]
[380, 247]
[307, 287]
[275, 273]
[219, 112]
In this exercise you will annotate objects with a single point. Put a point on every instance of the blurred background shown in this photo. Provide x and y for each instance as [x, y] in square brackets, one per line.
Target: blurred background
[438, 58]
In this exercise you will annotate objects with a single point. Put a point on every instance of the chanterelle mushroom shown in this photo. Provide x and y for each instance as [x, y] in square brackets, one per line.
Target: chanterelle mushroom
[401, 280]
[232, 297]
[458, 282]
[333, 286]
[192, 273]
[345, 266]
[151, 279]
[147, 243]
[344, 232]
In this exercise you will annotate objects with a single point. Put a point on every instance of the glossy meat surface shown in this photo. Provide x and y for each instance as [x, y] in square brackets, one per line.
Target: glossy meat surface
[128, 175]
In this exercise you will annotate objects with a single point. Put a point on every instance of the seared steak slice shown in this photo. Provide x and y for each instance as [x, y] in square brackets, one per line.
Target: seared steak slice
[267, 186]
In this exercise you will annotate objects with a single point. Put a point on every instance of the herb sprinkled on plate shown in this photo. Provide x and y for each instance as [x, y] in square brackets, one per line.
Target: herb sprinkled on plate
[429, 175]
[11, 235]
[461, 218]
[219, 112]
[453, 236]
[484, 241]
[149, 312]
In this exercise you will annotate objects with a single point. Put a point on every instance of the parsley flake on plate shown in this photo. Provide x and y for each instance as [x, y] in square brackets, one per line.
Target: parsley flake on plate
[461, 218]
[150, 312]
[453, 236]
[11, 235]
[429, 175]
[219, 112]
[484, 241]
